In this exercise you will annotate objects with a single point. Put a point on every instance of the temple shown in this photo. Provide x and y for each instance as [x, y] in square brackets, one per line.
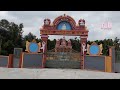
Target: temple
[63, 46]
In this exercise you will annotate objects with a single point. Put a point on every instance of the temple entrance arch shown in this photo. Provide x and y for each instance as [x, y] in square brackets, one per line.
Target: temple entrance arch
[66, 25]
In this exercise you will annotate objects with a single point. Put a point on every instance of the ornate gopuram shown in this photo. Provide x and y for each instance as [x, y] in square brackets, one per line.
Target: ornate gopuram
[63, 45]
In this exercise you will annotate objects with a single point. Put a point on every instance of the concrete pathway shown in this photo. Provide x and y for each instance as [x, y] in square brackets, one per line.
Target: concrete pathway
[20, 73]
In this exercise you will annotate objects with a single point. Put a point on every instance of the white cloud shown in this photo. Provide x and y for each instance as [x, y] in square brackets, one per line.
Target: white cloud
[33, 20]
[5, 15]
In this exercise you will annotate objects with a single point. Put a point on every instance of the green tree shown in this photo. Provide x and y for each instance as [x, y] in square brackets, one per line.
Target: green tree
[29, 37]
[76, 44]
[116, 43]
[0, 43]
[51, 44]
[11, 35]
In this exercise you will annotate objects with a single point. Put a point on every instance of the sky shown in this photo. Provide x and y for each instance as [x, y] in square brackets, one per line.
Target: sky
[34, 20]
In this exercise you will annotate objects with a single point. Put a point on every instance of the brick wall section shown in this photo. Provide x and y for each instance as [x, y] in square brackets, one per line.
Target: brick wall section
[16, 62]
[32, 60]
[95, 63]
[4, 61]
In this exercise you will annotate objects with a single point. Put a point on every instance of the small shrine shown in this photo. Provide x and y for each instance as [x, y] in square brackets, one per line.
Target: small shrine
[63, 46]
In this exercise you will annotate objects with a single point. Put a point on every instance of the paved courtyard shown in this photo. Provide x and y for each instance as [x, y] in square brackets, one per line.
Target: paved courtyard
[15, 73]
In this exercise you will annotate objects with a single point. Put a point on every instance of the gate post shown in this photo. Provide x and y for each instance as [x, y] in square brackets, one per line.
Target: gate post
[83, 39]
[112, 54]
[44, 38]
[10, 62]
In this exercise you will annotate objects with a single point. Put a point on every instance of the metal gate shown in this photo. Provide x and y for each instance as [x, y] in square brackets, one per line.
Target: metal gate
[117, 61]
[117, 56]
[63, 59]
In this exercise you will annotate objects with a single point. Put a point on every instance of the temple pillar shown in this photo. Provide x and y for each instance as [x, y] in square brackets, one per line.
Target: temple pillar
[112, 55]
[44, 38]
[83, 39]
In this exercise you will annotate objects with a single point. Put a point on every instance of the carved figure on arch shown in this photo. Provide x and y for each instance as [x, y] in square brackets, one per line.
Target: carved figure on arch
[81, 22]
[43, 46]
[83, 48]
[47, 22]
[57, 43]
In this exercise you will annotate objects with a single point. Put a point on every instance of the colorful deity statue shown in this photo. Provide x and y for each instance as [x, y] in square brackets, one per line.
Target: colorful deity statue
[63, 42]
[64, 27]
[69, 43]
[58, 43]
[47, 22]
[82, 22]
